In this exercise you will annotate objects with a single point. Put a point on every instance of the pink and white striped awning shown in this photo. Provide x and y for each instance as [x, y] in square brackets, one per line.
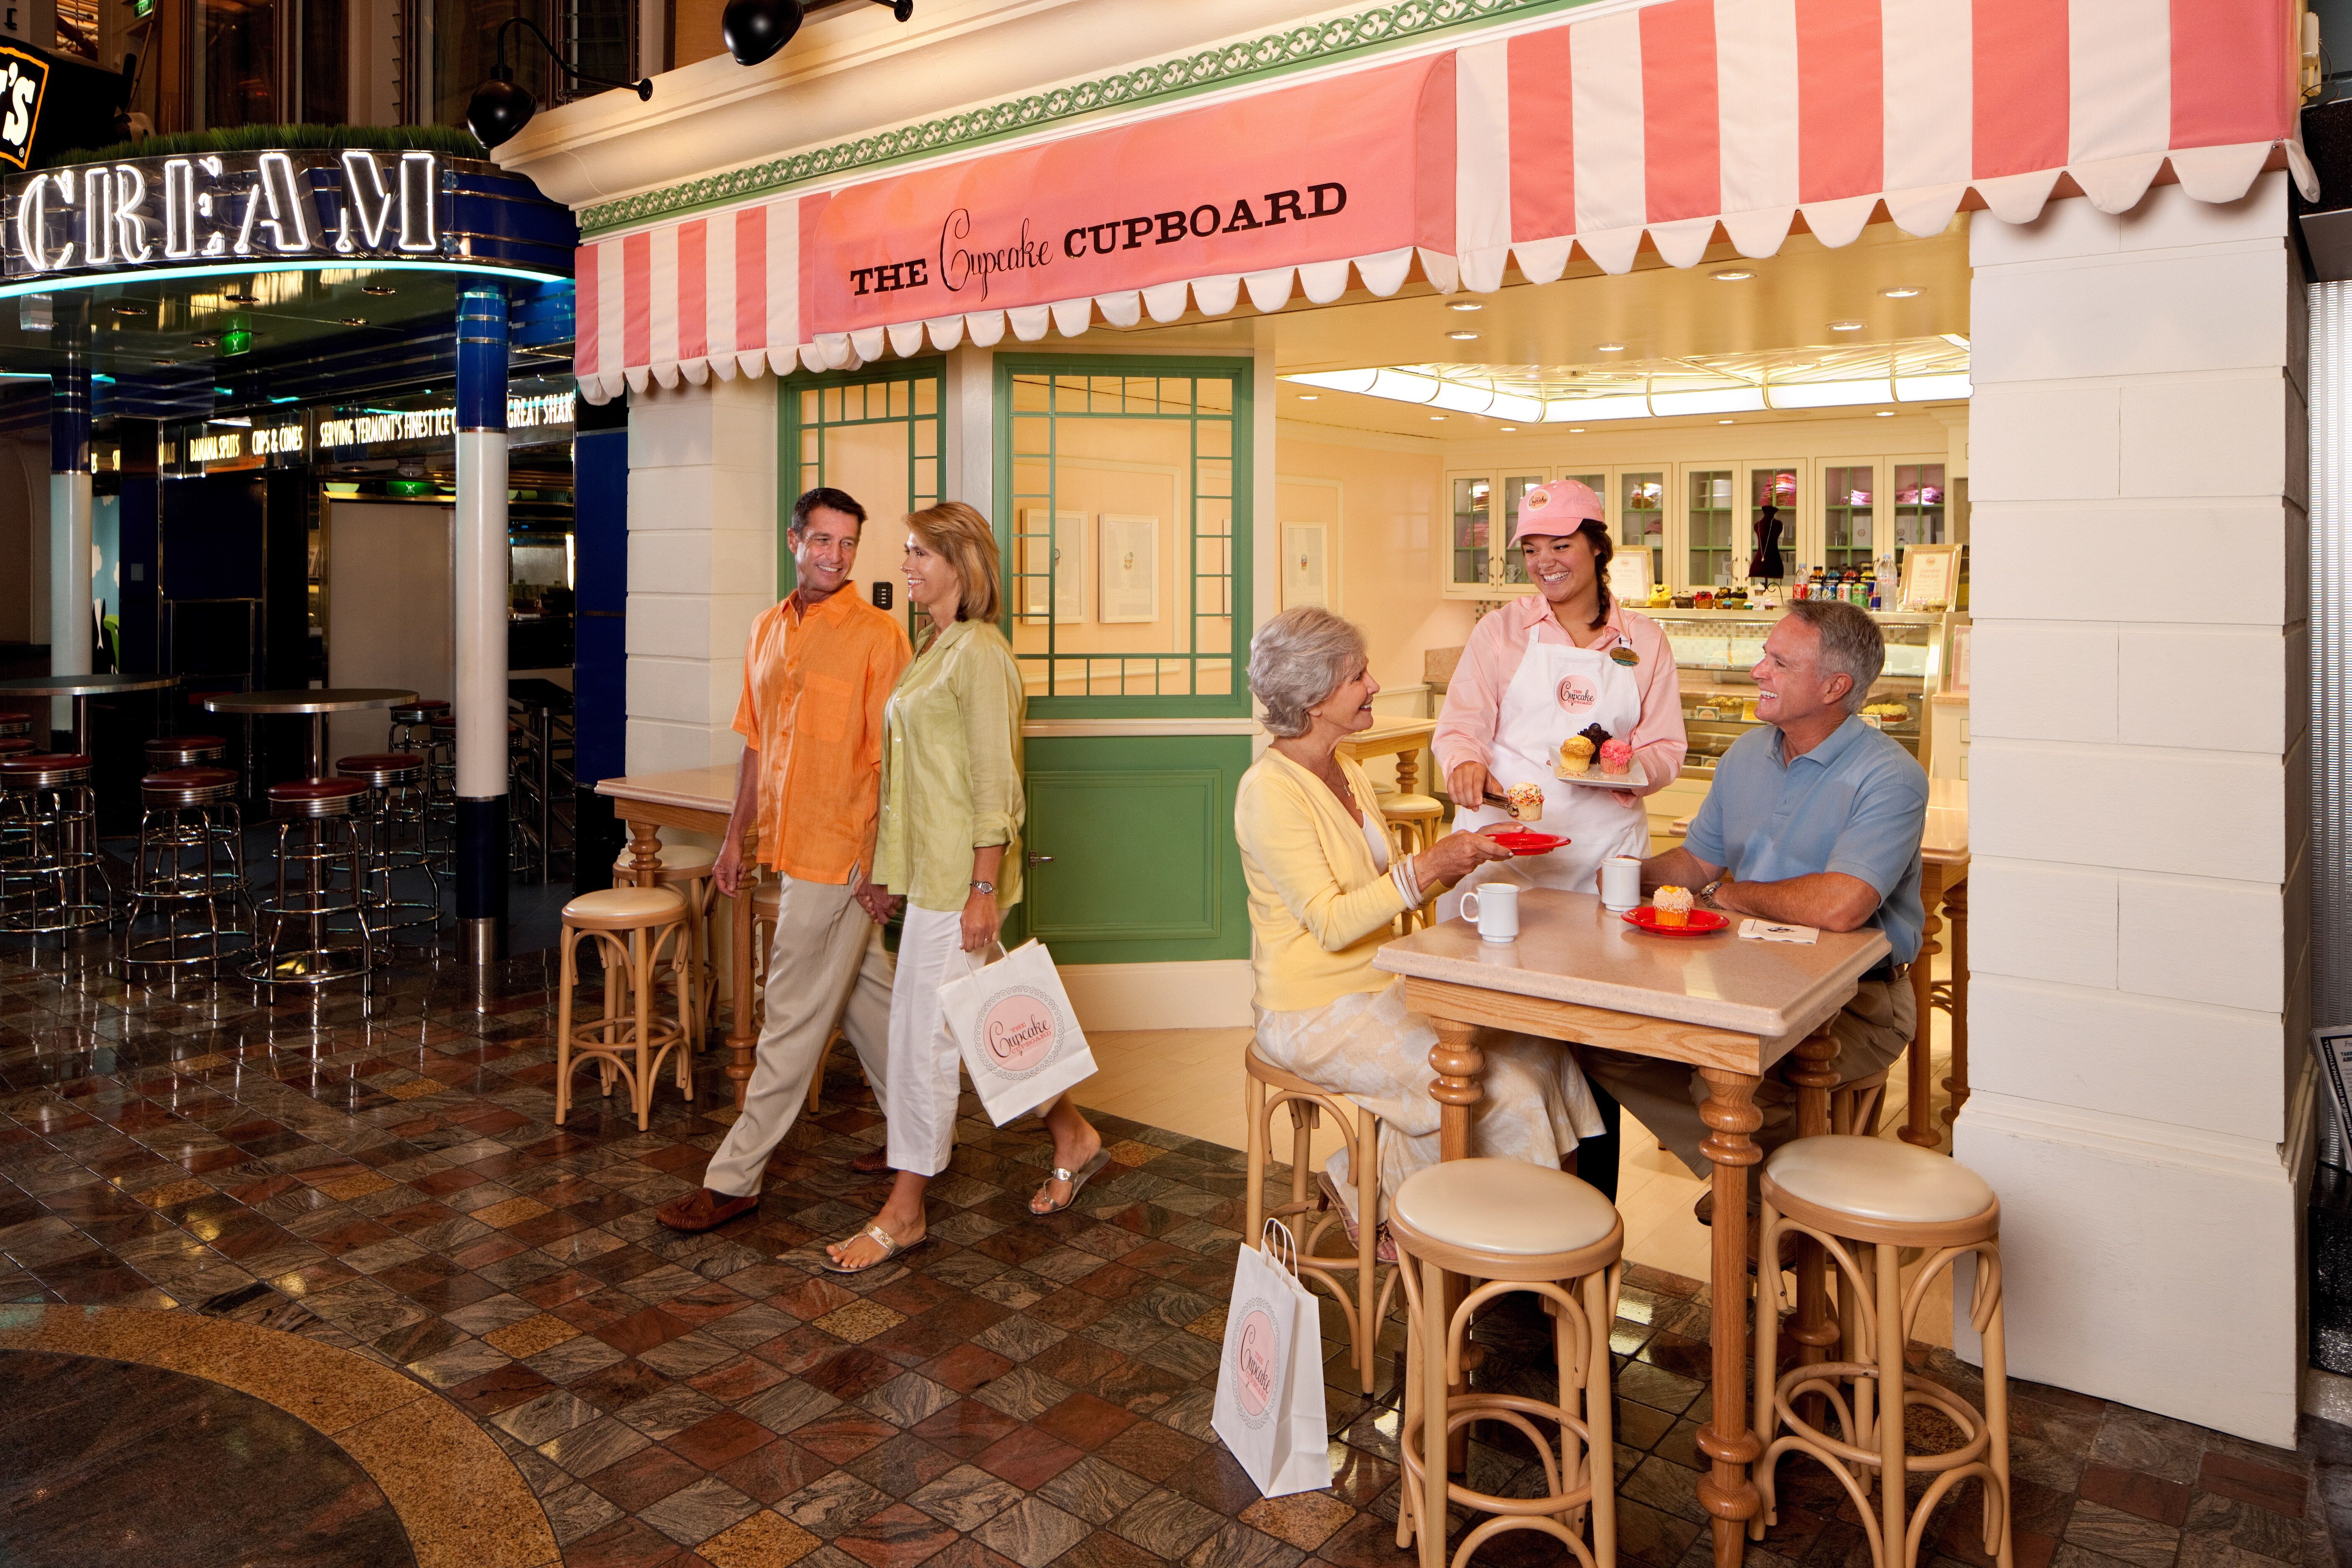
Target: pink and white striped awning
[1679, 121]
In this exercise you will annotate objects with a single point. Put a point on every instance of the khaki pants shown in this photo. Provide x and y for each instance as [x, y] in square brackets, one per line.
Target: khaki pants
[827, 967]
[1665, 1097]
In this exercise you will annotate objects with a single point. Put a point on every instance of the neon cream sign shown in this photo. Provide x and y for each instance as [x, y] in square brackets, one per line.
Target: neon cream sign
[223, 207]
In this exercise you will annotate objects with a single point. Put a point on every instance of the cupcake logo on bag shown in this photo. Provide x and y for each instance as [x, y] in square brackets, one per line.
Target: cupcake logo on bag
[1019, 1030]
[1257, 1361]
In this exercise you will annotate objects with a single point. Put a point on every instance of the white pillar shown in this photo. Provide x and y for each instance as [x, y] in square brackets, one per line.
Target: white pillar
[2138, 803]
[702, 563]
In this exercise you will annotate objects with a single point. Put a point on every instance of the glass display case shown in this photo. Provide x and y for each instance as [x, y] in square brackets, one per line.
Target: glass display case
[1714, 649]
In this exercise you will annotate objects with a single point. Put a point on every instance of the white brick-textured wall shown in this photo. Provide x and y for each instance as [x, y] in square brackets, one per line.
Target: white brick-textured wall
[2138, 815]
[702, 563]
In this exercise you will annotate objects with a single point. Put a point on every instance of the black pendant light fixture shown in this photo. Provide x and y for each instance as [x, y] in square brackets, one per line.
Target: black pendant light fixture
[756, 30]
[500, 107]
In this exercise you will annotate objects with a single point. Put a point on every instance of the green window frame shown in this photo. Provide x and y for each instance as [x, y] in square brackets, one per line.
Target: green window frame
[1035, 396]
[912, 392]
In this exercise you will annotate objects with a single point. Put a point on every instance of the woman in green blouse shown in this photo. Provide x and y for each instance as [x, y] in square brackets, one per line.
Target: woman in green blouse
[949, 844]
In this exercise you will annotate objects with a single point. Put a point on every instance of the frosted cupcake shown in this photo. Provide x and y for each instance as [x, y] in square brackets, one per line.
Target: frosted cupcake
[1616, 757]
[1526, 801]
[1575, 754]
[1673, 906]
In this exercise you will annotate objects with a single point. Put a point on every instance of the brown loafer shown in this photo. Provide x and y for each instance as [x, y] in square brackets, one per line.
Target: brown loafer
[703, 1209]
[873, 1163]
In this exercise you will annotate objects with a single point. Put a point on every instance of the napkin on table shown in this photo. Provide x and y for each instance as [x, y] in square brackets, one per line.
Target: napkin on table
[1753, 929]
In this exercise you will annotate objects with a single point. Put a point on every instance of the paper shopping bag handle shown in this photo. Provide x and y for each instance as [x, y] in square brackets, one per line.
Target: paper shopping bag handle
[1275, 1227]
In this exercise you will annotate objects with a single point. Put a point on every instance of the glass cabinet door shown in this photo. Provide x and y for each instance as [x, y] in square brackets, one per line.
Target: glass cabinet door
[1848, 498]
[1515, 490]
[1775, 487]
[1710, 527]
[1641, 516]
[1472, 517]
[1919, 504]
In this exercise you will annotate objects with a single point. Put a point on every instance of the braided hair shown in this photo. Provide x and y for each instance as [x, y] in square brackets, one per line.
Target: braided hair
[1603, 548]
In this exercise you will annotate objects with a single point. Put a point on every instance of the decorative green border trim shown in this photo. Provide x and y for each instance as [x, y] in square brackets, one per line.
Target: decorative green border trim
[1268, 55]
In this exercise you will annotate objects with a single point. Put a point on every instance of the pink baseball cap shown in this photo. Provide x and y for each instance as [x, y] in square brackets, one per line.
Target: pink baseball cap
[1556, 510]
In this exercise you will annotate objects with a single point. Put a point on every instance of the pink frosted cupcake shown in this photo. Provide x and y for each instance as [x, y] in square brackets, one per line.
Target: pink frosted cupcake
[1616, 757]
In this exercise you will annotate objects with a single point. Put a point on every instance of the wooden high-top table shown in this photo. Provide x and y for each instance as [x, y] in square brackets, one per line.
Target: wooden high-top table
[1728, 1007]
[698, 799]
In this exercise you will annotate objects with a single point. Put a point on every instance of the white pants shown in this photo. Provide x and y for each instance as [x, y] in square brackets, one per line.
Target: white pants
[827, 966]
[926, 1069]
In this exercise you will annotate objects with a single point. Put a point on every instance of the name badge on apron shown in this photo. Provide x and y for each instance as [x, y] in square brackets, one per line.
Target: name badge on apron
[1624, 655]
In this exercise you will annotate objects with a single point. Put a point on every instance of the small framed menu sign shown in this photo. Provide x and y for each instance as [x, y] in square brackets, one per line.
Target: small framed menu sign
[1931, 576]
[1629, 576]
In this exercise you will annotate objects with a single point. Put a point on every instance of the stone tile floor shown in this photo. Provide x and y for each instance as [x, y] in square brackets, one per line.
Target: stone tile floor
[382, 1174]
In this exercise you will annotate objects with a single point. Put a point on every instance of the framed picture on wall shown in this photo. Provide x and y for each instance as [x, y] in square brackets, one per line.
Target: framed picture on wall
[1052, 561]
[1629, 576]
[1127, 576]
[1931, 576]
[1306, 564]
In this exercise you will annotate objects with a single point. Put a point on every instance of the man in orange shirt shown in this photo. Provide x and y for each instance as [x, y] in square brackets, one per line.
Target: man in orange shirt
[818, 670]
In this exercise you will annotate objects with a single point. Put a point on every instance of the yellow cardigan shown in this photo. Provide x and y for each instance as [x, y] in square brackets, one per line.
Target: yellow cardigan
[1319, 907]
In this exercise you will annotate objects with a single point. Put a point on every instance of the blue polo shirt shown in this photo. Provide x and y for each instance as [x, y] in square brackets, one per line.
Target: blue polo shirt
[1857, 803]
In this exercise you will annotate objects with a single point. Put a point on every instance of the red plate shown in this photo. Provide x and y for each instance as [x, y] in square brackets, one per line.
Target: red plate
[1702, 921]
[1528, 841]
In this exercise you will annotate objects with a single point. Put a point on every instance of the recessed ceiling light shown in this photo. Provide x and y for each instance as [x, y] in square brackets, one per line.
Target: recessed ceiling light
[205, 343]
[356, 321]
[1463, 337]
[379, 290]
[1726, 422]
[1465, 305]
[1309, 397]
[1609, 348]
[1887, 413]
[1900, 291]
[241, 298]
[1437, 418]
[1511, 429]
[1732, 275]
[129, 309]
[1576, 429]
[1846, 326]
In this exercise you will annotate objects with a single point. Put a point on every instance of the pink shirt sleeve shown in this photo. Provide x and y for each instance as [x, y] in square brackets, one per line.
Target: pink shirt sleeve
[1465, 728]
[1658, 739]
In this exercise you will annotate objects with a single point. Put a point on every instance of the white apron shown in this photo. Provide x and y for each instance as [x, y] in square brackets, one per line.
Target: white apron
[1558, 691]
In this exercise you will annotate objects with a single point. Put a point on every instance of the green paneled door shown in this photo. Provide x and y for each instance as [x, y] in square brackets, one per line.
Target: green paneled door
[1132, 851]
[1123, 509]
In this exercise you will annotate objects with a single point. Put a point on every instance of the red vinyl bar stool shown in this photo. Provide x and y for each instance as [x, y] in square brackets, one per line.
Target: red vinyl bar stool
[395, 815]
[434, 733]
[50, 879]
[187, 898]
[166, 752]
[15, 725]
[320, 889]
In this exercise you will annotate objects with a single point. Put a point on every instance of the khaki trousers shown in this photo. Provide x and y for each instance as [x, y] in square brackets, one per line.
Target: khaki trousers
[1665, 1097]
[827, 966]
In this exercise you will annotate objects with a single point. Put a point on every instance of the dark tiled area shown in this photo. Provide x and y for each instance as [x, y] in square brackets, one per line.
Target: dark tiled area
[383, 1174]
[101, 1462]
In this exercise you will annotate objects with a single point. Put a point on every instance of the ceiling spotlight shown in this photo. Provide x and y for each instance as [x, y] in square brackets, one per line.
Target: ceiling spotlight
[1463, 337]
[1511, 429]
[1846, 326]
[381, 290]
[129, 309]
[1726, 422]
[1900, 291]
[1465, 305]
[1732, 275]
[1437, 418]
[755, 29]
[1609, 348]
[356, 321]
[1576, 429]
[499, 109]
[204, 342]
[1309, 397]
[241, 298]
[1887, 413]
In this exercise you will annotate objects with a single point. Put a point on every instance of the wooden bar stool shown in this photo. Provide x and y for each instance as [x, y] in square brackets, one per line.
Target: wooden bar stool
[1508, 1225]
[1364, 1302]
[1415, 820]
[688, 867]
[1867, 1201]
[638, 931]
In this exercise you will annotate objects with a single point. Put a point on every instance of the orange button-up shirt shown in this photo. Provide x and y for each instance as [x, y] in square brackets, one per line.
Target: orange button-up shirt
[814, 687]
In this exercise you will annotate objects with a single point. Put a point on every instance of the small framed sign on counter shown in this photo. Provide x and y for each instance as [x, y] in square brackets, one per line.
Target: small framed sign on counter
[1931, 576]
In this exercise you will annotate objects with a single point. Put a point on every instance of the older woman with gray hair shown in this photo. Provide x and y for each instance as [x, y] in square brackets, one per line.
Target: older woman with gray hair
[1326, 884]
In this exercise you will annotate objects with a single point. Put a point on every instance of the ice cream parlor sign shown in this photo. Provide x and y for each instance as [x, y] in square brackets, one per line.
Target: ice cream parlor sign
[1328, 171]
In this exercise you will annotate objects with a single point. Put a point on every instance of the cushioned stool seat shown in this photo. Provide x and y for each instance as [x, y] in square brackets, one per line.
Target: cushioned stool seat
[638, 931]
[43, 770]
[1873, 1179]
[688, 867]
[619, 909]
[168, 751]
[1506, 1207]
[187, 786]
[315, 789]
[379, 762]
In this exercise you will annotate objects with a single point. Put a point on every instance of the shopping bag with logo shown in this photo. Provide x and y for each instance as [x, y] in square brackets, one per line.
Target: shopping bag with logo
[1269, 1407]
[1012, 1022]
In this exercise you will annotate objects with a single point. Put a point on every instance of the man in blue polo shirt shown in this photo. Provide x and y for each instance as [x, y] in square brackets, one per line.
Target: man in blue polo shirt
[1813, 819]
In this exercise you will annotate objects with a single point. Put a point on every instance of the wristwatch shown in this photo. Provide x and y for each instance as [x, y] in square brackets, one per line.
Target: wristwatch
[988, 887]
[1707, 892]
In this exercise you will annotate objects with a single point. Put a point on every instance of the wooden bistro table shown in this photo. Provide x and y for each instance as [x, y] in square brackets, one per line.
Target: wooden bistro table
[697, 800]
[1728, 1007]
[1399, 738]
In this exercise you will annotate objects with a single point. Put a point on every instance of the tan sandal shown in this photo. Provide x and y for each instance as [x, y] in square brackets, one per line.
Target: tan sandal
[891, 1248]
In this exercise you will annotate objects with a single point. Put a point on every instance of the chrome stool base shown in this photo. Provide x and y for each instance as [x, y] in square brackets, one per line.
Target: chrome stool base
[319, 839]
[51, 879]
[177, 879]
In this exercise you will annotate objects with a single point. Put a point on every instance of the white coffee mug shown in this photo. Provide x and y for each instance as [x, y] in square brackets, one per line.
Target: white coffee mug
[1620, 883]
[1495, 908]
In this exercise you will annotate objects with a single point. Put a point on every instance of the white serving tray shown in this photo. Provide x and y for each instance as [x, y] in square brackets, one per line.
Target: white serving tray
[1633, 777]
